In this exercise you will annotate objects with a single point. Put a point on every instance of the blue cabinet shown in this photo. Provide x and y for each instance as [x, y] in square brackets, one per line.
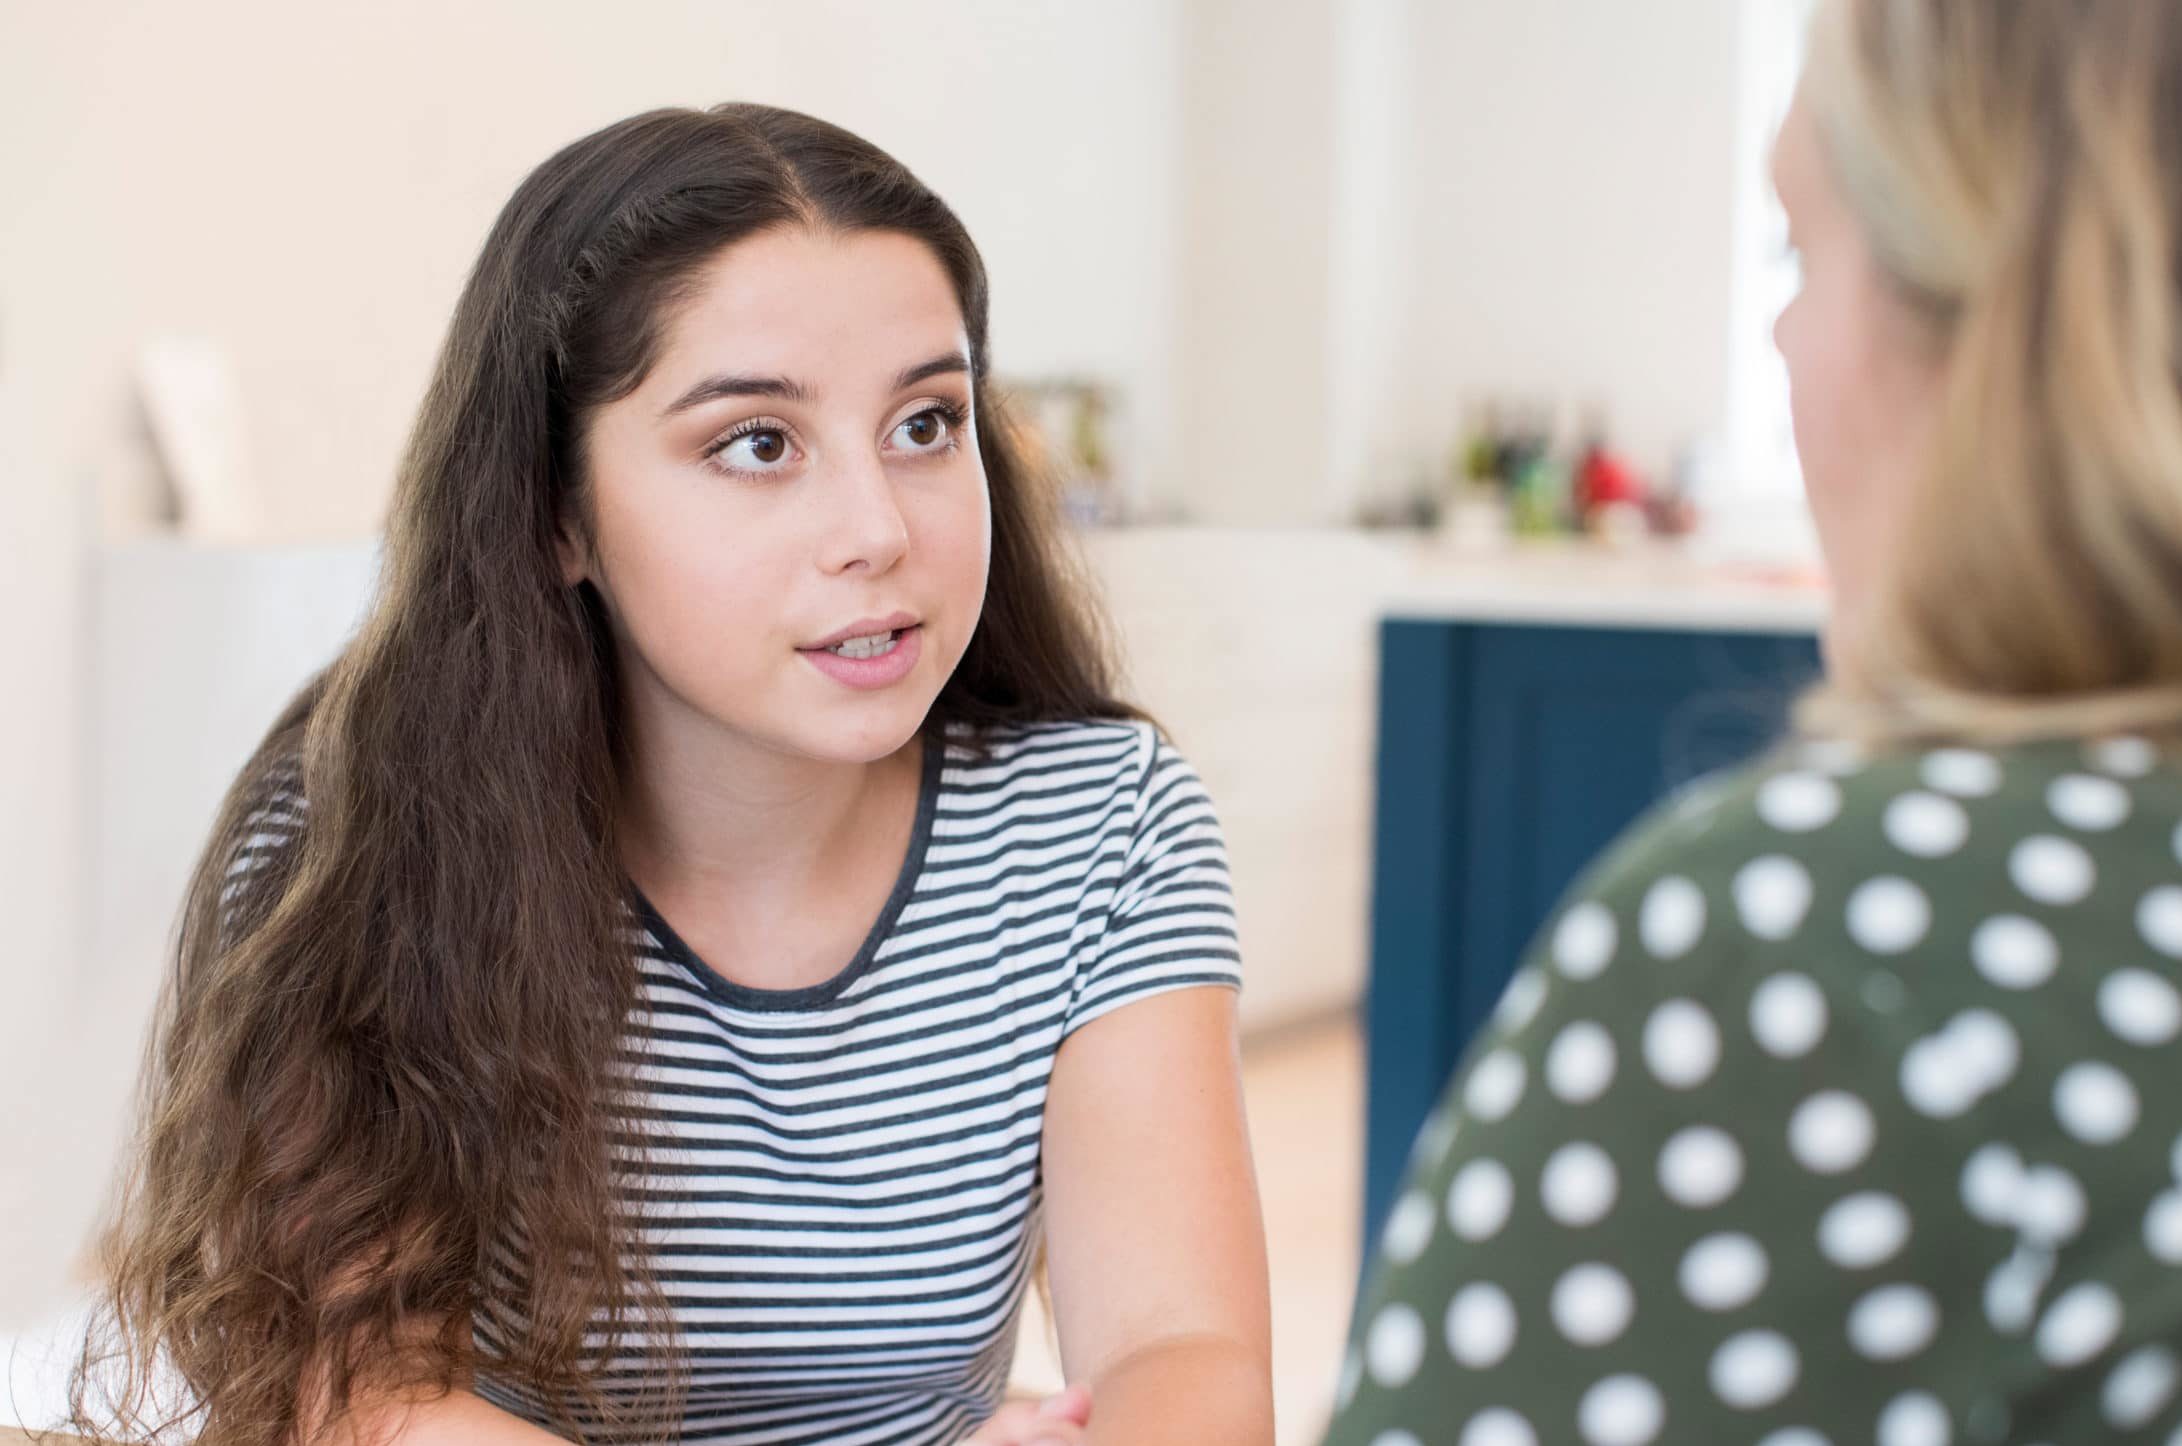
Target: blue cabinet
[1508, 757]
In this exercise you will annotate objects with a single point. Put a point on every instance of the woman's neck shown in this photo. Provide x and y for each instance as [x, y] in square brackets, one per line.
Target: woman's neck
[706, 813]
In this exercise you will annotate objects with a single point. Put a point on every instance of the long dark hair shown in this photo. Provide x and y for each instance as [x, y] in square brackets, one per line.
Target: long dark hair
[397, 1045]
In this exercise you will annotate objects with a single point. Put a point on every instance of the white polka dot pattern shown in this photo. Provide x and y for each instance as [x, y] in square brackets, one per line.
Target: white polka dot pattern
[1831, 1132]
[1673, 918]
[1772, 896]
[2079, 1325]
[2163, 1227]
[2052, 870]
[1579, 1185]
[1481, 1326]
[1498, 1427]
[2139, 1388]
[2159, 919]
[1963, 772]
[1915, 1419]
[1724, 1272]
[1893, 1322]
[1495, 1085]
[1700, 1167]
[2014, 952]
[1865, 1066]
[1681, 1044]
[2088, 804]
[1942, 1075]
[1592, 1304]
[1583, 945]
[1799, 802]
[1864, 1230]
[1409, 1228]
[2141, 1007]
[1580, 1064]
[2122, 757]
[1621, 1411]
[1480, 1200]
[1889, 915]
[1926, 824]
[1788, 1015]
[1525, 996]
[1754, 1369]
[2095, 1102]
[1395, 1347]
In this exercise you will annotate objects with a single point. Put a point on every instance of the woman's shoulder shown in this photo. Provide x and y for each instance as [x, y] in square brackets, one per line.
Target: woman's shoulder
[1119, 752]
[1928, 811]
[1940, 876]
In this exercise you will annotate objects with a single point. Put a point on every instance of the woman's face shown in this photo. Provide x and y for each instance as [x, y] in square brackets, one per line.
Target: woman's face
[800, 462]
[1862, 370]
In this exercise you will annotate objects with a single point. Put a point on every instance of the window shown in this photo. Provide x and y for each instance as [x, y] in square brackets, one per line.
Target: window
[1761, 449]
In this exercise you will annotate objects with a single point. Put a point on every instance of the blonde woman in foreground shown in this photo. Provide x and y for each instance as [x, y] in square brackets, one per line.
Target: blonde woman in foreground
[1840, 1103]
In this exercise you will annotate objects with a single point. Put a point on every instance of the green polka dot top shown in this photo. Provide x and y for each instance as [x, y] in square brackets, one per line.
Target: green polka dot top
[1838, 1104]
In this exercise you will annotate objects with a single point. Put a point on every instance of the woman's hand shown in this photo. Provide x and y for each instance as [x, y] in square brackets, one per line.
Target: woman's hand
[1055, 1421]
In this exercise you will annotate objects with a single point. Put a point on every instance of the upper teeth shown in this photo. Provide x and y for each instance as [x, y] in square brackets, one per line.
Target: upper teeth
[869, 647]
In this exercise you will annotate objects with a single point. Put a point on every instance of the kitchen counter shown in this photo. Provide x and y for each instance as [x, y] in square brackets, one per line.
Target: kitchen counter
[1644, 585]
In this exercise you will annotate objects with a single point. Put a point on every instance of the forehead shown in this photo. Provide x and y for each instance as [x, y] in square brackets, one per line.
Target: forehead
[815, 306]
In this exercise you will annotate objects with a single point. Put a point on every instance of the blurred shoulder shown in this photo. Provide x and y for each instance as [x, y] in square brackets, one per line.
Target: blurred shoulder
[1927, 873]
[1925, 811]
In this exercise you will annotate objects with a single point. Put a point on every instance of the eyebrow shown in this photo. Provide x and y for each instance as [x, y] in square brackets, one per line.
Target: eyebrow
[951, 363]
[713, 388]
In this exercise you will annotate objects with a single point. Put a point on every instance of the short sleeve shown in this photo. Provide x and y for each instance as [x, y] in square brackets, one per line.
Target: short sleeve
[269, 831]
[1171, 923]
[1674, 1193]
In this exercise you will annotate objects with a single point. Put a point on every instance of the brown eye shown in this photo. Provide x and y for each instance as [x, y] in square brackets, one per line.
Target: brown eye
[761, 449]
[928, 431]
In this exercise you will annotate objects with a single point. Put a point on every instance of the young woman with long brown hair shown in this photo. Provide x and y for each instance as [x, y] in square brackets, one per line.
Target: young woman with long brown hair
[716, 923]
[1839, 1103]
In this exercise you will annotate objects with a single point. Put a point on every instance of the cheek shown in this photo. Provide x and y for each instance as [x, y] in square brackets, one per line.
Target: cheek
[1838, 400]
[675, 586]
[952, 542]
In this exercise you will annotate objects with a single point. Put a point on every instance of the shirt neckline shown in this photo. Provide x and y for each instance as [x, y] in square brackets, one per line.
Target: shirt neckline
[809, 996]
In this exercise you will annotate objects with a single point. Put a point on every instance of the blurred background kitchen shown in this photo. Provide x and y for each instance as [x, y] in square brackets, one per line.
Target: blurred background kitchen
[1407, 364]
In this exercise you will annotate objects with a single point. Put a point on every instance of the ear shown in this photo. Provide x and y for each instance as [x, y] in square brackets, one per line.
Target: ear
[573, 550]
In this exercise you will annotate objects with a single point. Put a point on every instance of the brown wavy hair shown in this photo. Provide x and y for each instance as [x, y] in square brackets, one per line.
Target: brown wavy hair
[393, 1052]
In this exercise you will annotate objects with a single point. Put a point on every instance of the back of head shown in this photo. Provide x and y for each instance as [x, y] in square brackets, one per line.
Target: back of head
[2016, 169]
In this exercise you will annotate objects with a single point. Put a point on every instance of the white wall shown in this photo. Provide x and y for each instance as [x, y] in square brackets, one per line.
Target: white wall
[1575, 209]
[1397, 208]
[1258, 140]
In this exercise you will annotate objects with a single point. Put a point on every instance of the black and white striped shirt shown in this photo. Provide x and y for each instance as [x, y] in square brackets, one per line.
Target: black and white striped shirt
[847, 1206]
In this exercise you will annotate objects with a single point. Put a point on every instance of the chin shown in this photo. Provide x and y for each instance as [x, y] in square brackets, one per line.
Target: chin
[865, 740]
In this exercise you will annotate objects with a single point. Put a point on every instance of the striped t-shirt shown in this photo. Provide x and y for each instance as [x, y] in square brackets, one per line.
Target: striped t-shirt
[846, 1205]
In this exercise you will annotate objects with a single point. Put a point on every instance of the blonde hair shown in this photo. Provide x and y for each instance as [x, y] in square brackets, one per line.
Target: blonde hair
[2017, 171]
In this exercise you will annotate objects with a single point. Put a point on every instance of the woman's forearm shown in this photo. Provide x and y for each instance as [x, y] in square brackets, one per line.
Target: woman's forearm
[1186, 1392]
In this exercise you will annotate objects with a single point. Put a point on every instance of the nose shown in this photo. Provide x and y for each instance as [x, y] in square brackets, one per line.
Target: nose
[863, 526]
